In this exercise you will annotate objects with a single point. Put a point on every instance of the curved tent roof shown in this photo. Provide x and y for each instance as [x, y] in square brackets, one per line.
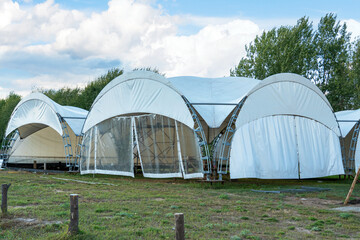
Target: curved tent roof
[138, 92]
[214, 98]
[36, 111]
[290, 94]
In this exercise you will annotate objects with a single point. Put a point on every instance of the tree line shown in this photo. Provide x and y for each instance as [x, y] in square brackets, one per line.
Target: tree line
[326, 55]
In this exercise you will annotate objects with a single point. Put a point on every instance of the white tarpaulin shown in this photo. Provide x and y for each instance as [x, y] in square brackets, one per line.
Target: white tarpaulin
[274, 147]
[36, 111]
[213, 91]
[285, 124]
[37, 119]
[138, 92]
[287, 94]
[347, 120]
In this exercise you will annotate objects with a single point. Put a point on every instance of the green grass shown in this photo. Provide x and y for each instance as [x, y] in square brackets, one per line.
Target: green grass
[126, 208]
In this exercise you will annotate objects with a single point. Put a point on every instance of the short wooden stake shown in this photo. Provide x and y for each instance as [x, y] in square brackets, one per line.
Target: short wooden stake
[179, 226]
[352, 187]
[34, 166]
[74, 214]
[4, 190]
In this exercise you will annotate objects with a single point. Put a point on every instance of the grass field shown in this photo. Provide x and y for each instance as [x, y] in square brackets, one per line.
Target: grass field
[113, 207]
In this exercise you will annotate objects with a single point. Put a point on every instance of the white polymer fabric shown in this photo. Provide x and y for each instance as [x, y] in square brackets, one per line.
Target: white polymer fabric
[287, 94]
[275, 147]
[226, 90]
[286, 121]
[138, 92]
[45, 145]
[166, 147]
[352, 116]
[38, 111]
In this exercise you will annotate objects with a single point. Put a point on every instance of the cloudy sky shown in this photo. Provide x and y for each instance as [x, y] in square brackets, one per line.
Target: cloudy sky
[57, 43]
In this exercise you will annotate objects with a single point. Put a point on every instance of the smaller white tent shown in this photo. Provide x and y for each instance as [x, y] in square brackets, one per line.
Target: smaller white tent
[348, 120]
[47, 130]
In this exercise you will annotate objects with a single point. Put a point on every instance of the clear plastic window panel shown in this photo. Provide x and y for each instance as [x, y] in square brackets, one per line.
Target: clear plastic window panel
[87, 164]
[190, 152]
[114, 146]
[158, 146]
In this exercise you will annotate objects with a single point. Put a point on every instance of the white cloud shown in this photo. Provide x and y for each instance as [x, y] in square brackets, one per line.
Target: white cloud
[353, 27]
[37, 40]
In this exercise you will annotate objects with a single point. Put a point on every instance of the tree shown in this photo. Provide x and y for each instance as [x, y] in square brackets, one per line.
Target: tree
[355, 72]
[322, 56]
[6, 107]
[64, 96]
[284, 49]
[93, 88]
[332, 73]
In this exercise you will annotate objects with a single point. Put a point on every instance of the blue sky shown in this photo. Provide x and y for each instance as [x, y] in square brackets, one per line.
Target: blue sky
[57, 43]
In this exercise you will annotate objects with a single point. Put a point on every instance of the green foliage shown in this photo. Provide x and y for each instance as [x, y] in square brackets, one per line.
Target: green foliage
[6, 107]
[284, 49]
[325, 55]
[93, 88]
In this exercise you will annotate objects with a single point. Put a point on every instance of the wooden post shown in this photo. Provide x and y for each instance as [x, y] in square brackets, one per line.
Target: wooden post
[352, 187]
[74, 214]
[179, 226]
[4, 190]
[34, 166]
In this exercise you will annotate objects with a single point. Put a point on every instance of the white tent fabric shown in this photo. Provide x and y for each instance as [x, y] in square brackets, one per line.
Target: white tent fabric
[287, 94]
[45, 145]
[37, 119]
[286, 123]
[38, 111]
[138, 92]
[162, 126]
[226, 90]
[352, 116]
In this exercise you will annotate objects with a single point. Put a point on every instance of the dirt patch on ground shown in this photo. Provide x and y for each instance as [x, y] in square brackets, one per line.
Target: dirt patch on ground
[25, 222]
[24, 206]
[312, 202]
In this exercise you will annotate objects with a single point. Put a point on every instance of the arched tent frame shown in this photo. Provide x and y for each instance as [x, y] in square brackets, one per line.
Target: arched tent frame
[349, 122]
[247, 112]
[36, 112]
[140, 93]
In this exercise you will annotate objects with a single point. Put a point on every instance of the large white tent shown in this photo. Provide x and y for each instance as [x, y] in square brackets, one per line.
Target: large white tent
[141, 116]
[349, 125]
[47, 131]
[281, 127]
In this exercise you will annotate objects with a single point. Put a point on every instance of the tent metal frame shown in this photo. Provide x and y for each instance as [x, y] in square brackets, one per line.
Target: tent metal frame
[7, 145]
[350, 163]
[199, 131]
[69, 157]
[225, 142]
